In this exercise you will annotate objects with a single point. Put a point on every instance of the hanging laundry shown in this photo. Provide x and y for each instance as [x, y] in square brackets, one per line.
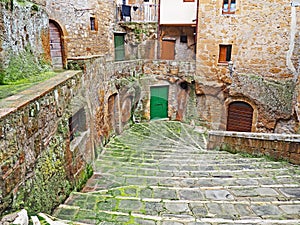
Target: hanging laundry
[126, 11]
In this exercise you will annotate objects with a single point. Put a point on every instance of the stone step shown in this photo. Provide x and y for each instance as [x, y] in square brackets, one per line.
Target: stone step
[160, 174]
[107, 208]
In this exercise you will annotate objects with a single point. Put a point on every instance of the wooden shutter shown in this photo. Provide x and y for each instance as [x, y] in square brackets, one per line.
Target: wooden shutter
[240, 116]
[168, 50]
[222, 53]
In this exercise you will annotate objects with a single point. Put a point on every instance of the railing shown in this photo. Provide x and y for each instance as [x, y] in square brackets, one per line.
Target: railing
[137, 13]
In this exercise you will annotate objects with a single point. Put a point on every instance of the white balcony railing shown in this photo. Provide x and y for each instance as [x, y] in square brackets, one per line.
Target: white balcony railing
[137, 13]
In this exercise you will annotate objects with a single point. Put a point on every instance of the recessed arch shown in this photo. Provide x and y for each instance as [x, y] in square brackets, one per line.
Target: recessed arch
[57, 50]
[239, 116]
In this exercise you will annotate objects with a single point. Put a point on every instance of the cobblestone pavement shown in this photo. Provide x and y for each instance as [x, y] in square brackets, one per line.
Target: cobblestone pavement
[159, 173]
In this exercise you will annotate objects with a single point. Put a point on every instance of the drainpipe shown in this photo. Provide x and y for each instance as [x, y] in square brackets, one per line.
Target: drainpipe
[158, 31]
[197, 18]
[290, 54]
[293, 28]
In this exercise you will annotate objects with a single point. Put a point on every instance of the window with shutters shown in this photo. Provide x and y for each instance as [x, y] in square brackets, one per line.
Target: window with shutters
[229, 6]
[225, 53]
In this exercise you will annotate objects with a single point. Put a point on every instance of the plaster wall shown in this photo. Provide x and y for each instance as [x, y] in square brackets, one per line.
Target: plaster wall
[177, 12]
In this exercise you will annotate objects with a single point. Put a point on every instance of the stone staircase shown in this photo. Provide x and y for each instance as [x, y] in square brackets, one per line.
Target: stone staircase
[160, 173]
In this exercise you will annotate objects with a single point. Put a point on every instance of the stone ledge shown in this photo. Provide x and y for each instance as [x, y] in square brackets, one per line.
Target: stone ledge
[15, 102]
[259, 136]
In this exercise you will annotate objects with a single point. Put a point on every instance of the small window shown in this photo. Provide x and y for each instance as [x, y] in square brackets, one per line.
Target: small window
[77, 124]
[93, 23]
[183, 38]
[188, 0]
[225, 53]
[229, 7]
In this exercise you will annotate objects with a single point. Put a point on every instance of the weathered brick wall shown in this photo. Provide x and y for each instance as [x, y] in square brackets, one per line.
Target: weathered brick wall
[22, 26]
[74, 19]
[276, 146]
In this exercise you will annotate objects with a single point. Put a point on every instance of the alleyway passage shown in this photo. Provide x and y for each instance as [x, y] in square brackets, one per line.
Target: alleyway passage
[160, 173]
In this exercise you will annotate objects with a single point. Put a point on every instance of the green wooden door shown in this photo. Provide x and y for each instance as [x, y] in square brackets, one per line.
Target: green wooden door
[119, 47]
[159, 102]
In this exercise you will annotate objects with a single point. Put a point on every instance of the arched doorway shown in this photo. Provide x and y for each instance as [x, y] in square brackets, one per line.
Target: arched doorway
[240, 116]
[56, 49]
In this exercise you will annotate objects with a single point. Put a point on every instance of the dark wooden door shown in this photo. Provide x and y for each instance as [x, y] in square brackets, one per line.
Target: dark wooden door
[159, 102]
[168, 50]
[240, 116]
[55, 46]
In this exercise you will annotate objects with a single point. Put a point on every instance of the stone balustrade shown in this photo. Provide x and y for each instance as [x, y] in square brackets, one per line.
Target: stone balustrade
[276, 146]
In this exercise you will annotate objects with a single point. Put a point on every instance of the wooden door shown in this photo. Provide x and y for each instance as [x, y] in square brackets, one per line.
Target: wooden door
[55, 46]
[159, 102]
[240, 116]
[168, 50]
[119, 47]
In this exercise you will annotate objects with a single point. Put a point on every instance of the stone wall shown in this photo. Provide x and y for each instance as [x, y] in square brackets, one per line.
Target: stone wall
[183, 51]
[265, 50]
[275, 146]
[74, 19]
[41, 163]
[140, 40]
[23, 25]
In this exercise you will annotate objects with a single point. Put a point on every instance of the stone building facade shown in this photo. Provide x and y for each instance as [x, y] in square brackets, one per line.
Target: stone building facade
[86, 27]
[261, 39]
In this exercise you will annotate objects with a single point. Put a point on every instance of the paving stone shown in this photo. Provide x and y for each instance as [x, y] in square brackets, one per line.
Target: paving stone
[144, 221]
[199, 210]
[154, 208]
[265, 210]
[266, 192]
[130, 205]
[291, 209]
[218, 195]
[291, 192]
[165, 194]
[177, 207]
[191, 195]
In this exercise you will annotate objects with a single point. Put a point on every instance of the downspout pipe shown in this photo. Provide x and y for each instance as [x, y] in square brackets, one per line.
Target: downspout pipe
[293, 28]
[158, 31]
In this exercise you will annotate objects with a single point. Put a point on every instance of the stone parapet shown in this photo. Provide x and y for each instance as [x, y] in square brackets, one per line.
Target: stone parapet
[276, 146]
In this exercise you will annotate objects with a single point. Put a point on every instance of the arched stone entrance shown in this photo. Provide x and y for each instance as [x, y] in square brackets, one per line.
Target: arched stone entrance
[56, 45]
[240, 116]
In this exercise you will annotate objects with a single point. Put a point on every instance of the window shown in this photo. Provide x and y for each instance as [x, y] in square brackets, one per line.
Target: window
[93, 23]
[77, 124]
[188, 0]
[229, 7]
[225, 53]
[183, 38]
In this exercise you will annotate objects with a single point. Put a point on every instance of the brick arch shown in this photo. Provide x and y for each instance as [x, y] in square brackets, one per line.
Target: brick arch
[57, 44]
[241, 115]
